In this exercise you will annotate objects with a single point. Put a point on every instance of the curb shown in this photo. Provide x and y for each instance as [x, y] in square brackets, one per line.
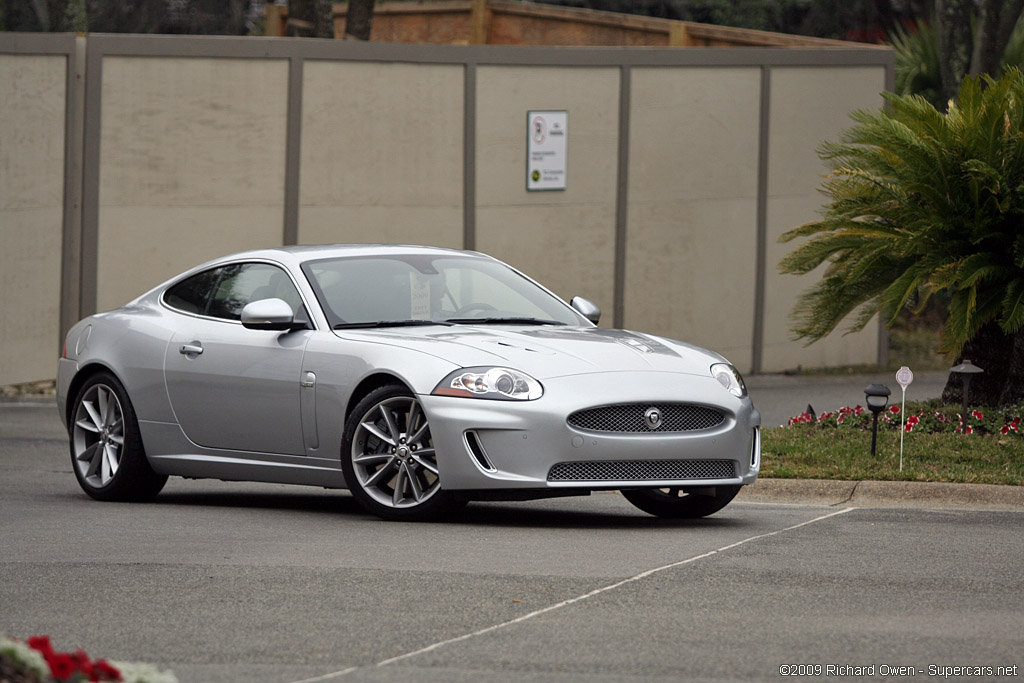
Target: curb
[29, 399]
[890, 494]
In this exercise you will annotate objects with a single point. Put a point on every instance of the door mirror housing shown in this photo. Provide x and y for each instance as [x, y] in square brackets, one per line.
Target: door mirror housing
[269, 314]
[588, 309]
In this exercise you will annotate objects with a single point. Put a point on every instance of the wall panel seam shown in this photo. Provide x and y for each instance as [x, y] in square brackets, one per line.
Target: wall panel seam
[761, 239]
[622, 198]
[293, 151]
[74, 122]
[469, 157]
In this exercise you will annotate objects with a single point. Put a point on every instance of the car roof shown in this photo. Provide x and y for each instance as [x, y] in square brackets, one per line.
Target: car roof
[305, 252]
[296, 255]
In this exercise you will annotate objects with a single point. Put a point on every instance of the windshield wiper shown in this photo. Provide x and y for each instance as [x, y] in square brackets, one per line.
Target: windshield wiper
[503, 321]
[390, 323]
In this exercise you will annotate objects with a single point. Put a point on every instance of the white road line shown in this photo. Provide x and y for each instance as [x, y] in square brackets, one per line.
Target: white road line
[571, 601]
[327, 677]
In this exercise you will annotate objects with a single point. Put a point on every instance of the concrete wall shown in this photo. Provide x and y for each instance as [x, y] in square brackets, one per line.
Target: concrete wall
[566, 239]
[683, 167]
[381, 153]
[192, 154]
[32, 112]
[808, 106]
[693, 206]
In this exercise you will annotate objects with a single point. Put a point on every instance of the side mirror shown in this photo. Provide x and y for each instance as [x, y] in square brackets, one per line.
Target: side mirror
[588, 309]
[268, 314]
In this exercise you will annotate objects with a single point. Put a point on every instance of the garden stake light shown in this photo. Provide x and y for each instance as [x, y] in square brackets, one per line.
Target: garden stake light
[966, 370]
[903, 377]
[877, 396]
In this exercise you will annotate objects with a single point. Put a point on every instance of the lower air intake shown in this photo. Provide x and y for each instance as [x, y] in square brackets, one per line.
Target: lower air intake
[642, 470]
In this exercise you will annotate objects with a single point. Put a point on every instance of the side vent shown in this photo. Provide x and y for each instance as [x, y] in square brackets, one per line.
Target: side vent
[477, 449]
[755, 450]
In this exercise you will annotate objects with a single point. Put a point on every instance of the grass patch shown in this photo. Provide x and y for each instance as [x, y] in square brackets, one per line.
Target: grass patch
[811, 453]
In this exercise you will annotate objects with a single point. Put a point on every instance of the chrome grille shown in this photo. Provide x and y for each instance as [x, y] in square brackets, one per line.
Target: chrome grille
[629, 418]
[642, 470]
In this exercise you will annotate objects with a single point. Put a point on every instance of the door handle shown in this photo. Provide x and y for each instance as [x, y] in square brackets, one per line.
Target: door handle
[191, 349]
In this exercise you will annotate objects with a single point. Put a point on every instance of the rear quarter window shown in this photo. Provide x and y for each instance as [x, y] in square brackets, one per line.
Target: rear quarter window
[191, 294]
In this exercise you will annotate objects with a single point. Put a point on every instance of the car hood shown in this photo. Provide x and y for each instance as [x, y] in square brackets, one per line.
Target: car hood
[547, 352]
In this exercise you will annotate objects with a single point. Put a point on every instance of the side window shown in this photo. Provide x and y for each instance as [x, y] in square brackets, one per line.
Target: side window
[224, 292]
[192, 294]
[244, 282]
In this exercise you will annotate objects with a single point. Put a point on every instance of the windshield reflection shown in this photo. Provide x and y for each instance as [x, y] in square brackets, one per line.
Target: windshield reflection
[408, 290]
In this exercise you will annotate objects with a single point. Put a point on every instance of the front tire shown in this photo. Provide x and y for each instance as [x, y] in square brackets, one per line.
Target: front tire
[106, 446]
[388, 458]
[678, 503]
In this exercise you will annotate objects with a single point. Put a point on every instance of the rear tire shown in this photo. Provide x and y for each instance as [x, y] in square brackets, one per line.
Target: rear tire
[106, 447]
[678, 503]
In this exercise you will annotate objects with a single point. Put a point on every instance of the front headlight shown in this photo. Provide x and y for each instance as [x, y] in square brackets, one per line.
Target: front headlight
[502, 384]
[729, 377]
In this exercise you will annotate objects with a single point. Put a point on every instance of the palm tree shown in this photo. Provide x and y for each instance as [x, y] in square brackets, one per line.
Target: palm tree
[923, 202]
[919, 60]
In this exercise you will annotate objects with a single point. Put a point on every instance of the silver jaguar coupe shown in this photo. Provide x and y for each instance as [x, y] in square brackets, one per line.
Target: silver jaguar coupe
[418, 378]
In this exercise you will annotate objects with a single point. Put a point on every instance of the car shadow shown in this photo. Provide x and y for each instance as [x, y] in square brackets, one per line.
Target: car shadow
[522, 515]
[329, 503]
[530, 514]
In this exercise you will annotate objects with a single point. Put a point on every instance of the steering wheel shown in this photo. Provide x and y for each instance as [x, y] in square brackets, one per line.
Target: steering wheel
[475, 306]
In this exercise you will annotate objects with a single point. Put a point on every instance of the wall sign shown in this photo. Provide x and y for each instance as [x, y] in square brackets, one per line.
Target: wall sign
[547, 140]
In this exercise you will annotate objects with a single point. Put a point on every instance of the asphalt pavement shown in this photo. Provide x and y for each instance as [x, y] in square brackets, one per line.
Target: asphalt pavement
[225, 582]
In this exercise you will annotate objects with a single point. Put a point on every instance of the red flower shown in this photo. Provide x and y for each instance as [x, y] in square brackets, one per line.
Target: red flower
[977, 415]
[894, 409]
[41, 644]
[62, 666]
[970, 429]
[1005, 429]
[83, 663]
[909, 427]
[103, 671]
[913, 420]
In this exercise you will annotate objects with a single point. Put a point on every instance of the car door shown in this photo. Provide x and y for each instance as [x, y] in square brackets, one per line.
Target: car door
[231, 387]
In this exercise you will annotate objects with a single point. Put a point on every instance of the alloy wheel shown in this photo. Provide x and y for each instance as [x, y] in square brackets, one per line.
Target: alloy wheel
[393, 455]
[98, 435]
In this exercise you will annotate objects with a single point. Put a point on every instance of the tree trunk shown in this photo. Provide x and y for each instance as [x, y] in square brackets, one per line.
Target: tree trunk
[359, 21]
[300, 18]
[323, 23]
[996, 20]
[953, 25]
[1011, 15]
[1013, 387]
[990, 350]
[42, 11]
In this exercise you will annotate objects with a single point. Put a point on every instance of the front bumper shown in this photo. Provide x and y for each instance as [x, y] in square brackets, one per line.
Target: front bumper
[486, 444]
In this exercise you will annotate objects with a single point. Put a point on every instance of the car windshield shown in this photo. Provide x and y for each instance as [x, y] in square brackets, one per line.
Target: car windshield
[403, 290]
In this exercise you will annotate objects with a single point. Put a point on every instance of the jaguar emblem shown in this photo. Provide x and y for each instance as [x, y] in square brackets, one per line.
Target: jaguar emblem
[652, 418]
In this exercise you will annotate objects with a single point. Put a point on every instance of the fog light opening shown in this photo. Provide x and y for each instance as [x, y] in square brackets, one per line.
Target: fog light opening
[477, 450]
[755, 450]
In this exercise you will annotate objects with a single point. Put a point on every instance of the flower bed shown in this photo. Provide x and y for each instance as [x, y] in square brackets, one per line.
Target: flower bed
[934, 445]
[36, 661]
[928, 417]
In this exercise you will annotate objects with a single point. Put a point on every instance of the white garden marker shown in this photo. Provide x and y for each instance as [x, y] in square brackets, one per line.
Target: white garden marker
[904, 376]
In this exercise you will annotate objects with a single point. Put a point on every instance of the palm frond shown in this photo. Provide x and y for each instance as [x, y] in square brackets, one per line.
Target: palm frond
[920, 202]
